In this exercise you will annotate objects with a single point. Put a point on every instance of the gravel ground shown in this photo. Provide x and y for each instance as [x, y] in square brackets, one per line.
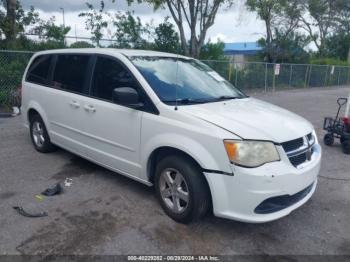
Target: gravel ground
[106, 213]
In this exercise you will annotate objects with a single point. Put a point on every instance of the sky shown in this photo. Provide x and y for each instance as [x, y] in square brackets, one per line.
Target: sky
[231, 25]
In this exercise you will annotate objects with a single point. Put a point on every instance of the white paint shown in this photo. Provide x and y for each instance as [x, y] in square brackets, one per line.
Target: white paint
[68, 182]
[332, 70]
[277, 69]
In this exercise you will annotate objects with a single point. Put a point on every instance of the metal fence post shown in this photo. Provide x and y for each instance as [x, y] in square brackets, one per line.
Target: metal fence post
[229, 71]
[236, 75]
[325, 79]
[274, 79]
[310, 72]
[290, 75]
[339, 76]
[306, 75]
[265, 77]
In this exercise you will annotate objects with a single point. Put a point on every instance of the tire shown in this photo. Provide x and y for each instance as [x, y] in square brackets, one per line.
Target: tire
[346, 146]
[328, 139]
[39, 136]
[170, 190]
[342, 139]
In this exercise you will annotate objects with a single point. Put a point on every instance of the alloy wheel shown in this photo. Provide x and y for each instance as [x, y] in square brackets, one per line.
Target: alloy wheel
[174, 190]
[38, 134]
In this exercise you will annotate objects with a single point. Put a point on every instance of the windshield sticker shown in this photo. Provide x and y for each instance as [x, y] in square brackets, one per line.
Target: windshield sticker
[216, 76]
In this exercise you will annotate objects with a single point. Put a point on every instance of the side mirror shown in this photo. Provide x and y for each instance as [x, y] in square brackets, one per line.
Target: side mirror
[127, 96]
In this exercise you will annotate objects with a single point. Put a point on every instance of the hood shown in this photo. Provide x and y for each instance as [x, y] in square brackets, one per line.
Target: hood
[251, 118]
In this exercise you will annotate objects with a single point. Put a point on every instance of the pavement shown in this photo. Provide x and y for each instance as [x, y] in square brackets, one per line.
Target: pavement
[105, 213]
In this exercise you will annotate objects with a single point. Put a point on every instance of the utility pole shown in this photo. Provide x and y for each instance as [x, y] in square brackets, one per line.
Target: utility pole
[64, 22]
[76, 38]
[64, 25]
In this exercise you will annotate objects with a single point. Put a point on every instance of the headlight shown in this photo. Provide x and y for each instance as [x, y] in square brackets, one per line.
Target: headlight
[251, 153]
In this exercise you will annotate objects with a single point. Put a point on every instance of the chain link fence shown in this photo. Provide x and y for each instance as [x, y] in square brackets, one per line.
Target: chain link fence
[266, 77]
[12, 66]
[248, 76]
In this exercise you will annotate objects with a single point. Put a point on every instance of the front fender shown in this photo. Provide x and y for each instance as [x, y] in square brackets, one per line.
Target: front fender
[205, 158]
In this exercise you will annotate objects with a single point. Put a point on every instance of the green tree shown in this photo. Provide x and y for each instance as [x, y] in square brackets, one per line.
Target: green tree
[213, 51]
[8, 23]
[81, 44]
[49, 31]
[343, 29]
[195, 15]
[290, 49]
[130, 32]
[319, 18]
[166, 39]
[95, 21]
[281, 18]
[14, 21]
[337, 46]
[49, 44]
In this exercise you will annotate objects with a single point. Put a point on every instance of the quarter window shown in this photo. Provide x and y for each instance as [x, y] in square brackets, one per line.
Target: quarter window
[108, 75]
[70, 72]
[39, 70]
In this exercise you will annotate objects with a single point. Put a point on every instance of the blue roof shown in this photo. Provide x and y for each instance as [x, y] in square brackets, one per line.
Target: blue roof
[242, 48]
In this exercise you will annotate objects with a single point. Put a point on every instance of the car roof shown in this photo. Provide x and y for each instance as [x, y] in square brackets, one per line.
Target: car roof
[111, 51]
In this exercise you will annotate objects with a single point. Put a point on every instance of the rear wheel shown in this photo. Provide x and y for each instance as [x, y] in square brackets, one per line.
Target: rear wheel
[39, 135]
[181, 189]
[328, 139]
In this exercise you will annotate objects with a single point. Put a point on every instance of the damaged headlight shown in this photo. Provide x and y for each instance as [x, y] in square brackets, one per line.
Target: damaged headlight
[251, 153]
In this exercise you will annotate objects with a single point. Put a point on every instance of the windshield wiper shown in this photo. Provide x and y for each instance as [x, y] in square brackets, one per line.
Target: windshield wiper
[188, 101]
[185, 101]
[223, 98]
[227, 97]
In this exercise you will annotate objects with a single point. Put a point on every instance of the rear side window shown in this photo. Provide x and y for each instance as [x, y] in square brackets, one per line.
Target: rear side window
[38, 71]
[70, 72]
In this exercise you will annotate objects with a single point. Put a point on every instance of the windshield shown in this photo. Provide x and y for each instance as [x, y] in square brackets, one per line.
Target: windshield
[184, 81]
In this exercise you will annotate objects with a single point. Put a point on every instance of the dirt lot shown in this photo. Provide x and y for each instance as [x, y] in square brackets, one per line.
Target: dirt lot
[106, 213]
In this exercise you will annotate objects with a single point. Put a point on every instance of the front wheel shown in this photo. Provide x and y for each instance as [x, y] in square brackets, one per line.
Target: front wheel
[181, 189]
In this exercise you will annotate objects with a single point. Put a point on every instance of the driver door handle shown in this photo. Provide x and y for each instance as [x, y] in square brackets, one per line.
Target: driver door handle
[90, 108]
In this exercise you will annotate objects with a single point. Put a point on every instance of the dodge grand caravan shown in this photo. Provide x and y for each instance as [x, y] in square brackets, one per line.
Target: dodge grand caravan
[172, 122]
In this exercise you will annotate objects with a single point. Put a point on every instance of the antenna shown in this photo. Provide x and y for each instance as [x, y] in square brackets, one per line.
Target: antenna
[177, 70]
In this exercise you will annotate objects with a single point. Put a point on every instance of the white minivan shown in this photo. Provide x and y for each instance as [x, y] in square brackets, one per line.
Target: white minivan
[172, 122]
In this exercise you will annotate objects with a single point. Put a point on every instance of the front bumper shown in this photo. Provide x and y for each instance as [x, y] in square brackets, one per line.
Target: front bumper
[237, 197]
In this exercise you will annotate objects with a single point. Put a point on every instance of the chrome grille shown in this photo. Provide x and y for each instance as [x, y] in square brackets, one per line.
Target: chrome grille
[293, 144]
[299, 150]
[298, 159]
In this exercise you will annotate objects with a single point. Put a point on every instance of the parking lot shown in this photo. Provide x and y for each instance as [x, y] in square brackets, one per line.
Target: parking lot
[106, 213]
